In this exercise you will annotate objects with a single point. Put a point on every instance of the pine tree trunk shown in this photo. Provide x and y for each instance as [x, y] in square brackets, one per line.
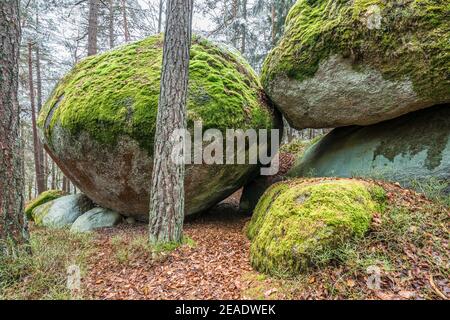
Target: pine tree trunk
[36, 143]
[167, 187]
[42, 158]
[234, 13]
[244, 27]
[13, 226]
[125, 22]
[53, 176]
[64, 184]
[274, 25]
[111, 24]
[92, 27]
[161, 9]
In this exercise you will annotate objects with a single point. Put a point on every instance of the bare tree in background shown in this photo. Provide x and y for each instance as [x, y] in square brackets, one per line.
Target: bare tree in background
[125, 21]
[38, 153]
[167, 188]
[111, 24]
[13, 227]
[92, 27]
[160, 15]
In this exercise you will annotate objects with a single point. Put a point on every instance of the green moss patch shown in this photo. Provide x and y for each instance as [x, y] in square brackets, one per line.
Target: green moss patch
[116, 93]
[43, 198]
[412, 41]
[297, 224]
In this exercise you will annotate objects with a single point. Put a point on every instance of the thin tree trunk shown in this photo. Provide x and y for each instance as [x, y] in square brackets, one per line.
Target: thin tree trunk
[111, 24]
[234, 13]
[64, 184]
[125, 22]
[161, 9]
[274, 24]
[13, 224]
[36, 143]
[42, 160]
[92, 27]
[53, 176]
[244, 27]
[167, 187]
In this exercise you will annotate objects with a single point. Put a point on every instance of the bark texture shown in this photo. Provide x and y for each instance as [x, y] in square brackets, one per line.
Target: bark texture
[92, 27]
[167, 189]
[125, 21]
[13, 227]
[40, 183]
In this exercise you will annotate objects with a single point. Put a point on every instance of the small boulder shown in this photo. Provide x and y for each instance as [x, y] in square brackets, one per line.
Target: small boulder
[62, 212]
[95, 219]
[43, 198]
[298, 223]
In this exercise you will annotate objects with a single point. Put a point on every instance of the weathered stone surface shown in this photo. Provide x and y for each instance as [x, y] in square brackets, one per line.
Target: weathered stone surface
[411, 148]
[43, 198]
[99, 123]
[62, 212]
[359, 62]
[95, 219]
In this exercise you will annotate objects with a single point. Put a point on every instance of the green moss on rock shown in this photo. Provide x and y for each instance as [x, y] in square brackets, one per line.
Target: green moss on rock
[298, 223]
[116, 93]
[43, 198]
[412, 41]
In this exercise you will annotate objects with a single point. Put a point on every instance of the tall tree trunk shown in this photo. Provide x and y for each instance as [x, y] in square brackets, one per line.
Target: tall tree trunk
[92, 27]
[244, 26]
[234, 13]
[64, 184]
[125, 22]
[274, 24]
[111, 24]
[53, 176]
[36, 143]
[160, 16]
[42, 160]
[13, 225]
[167, 188]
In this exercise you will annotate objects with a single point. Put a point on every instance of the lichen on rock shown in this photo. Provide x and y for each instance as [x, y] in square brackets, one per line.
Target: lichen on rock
[360, 62]
[299, 222]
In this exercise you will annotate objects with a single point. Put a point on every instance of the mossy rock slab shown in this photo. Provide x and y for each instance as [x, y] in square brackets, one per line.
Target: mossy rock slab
[359, 62]
[99, 123]
[95, 219]
[412, 148]
[43, 198]
[297, 224]
[62, 212]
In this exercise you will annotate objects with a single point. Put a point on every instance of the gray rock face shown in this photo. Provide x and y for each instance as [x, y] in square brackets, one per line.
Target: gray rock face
[338, 95]
[95, 219]
[414, 147]
[62, 212]
[119, 178]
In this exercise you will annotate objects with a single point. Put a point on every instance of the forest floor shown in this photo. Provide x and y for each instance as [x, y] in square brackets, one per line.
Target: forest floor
[409, 248]
[407, 244]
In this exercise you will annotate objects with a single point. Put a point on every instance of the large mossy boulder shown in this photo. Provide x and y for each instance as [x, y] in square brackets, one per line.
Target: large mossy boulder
[297, 224]
[359, 62]
[62, 212]
[411, 149]
[43, 198]
[99, 123]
